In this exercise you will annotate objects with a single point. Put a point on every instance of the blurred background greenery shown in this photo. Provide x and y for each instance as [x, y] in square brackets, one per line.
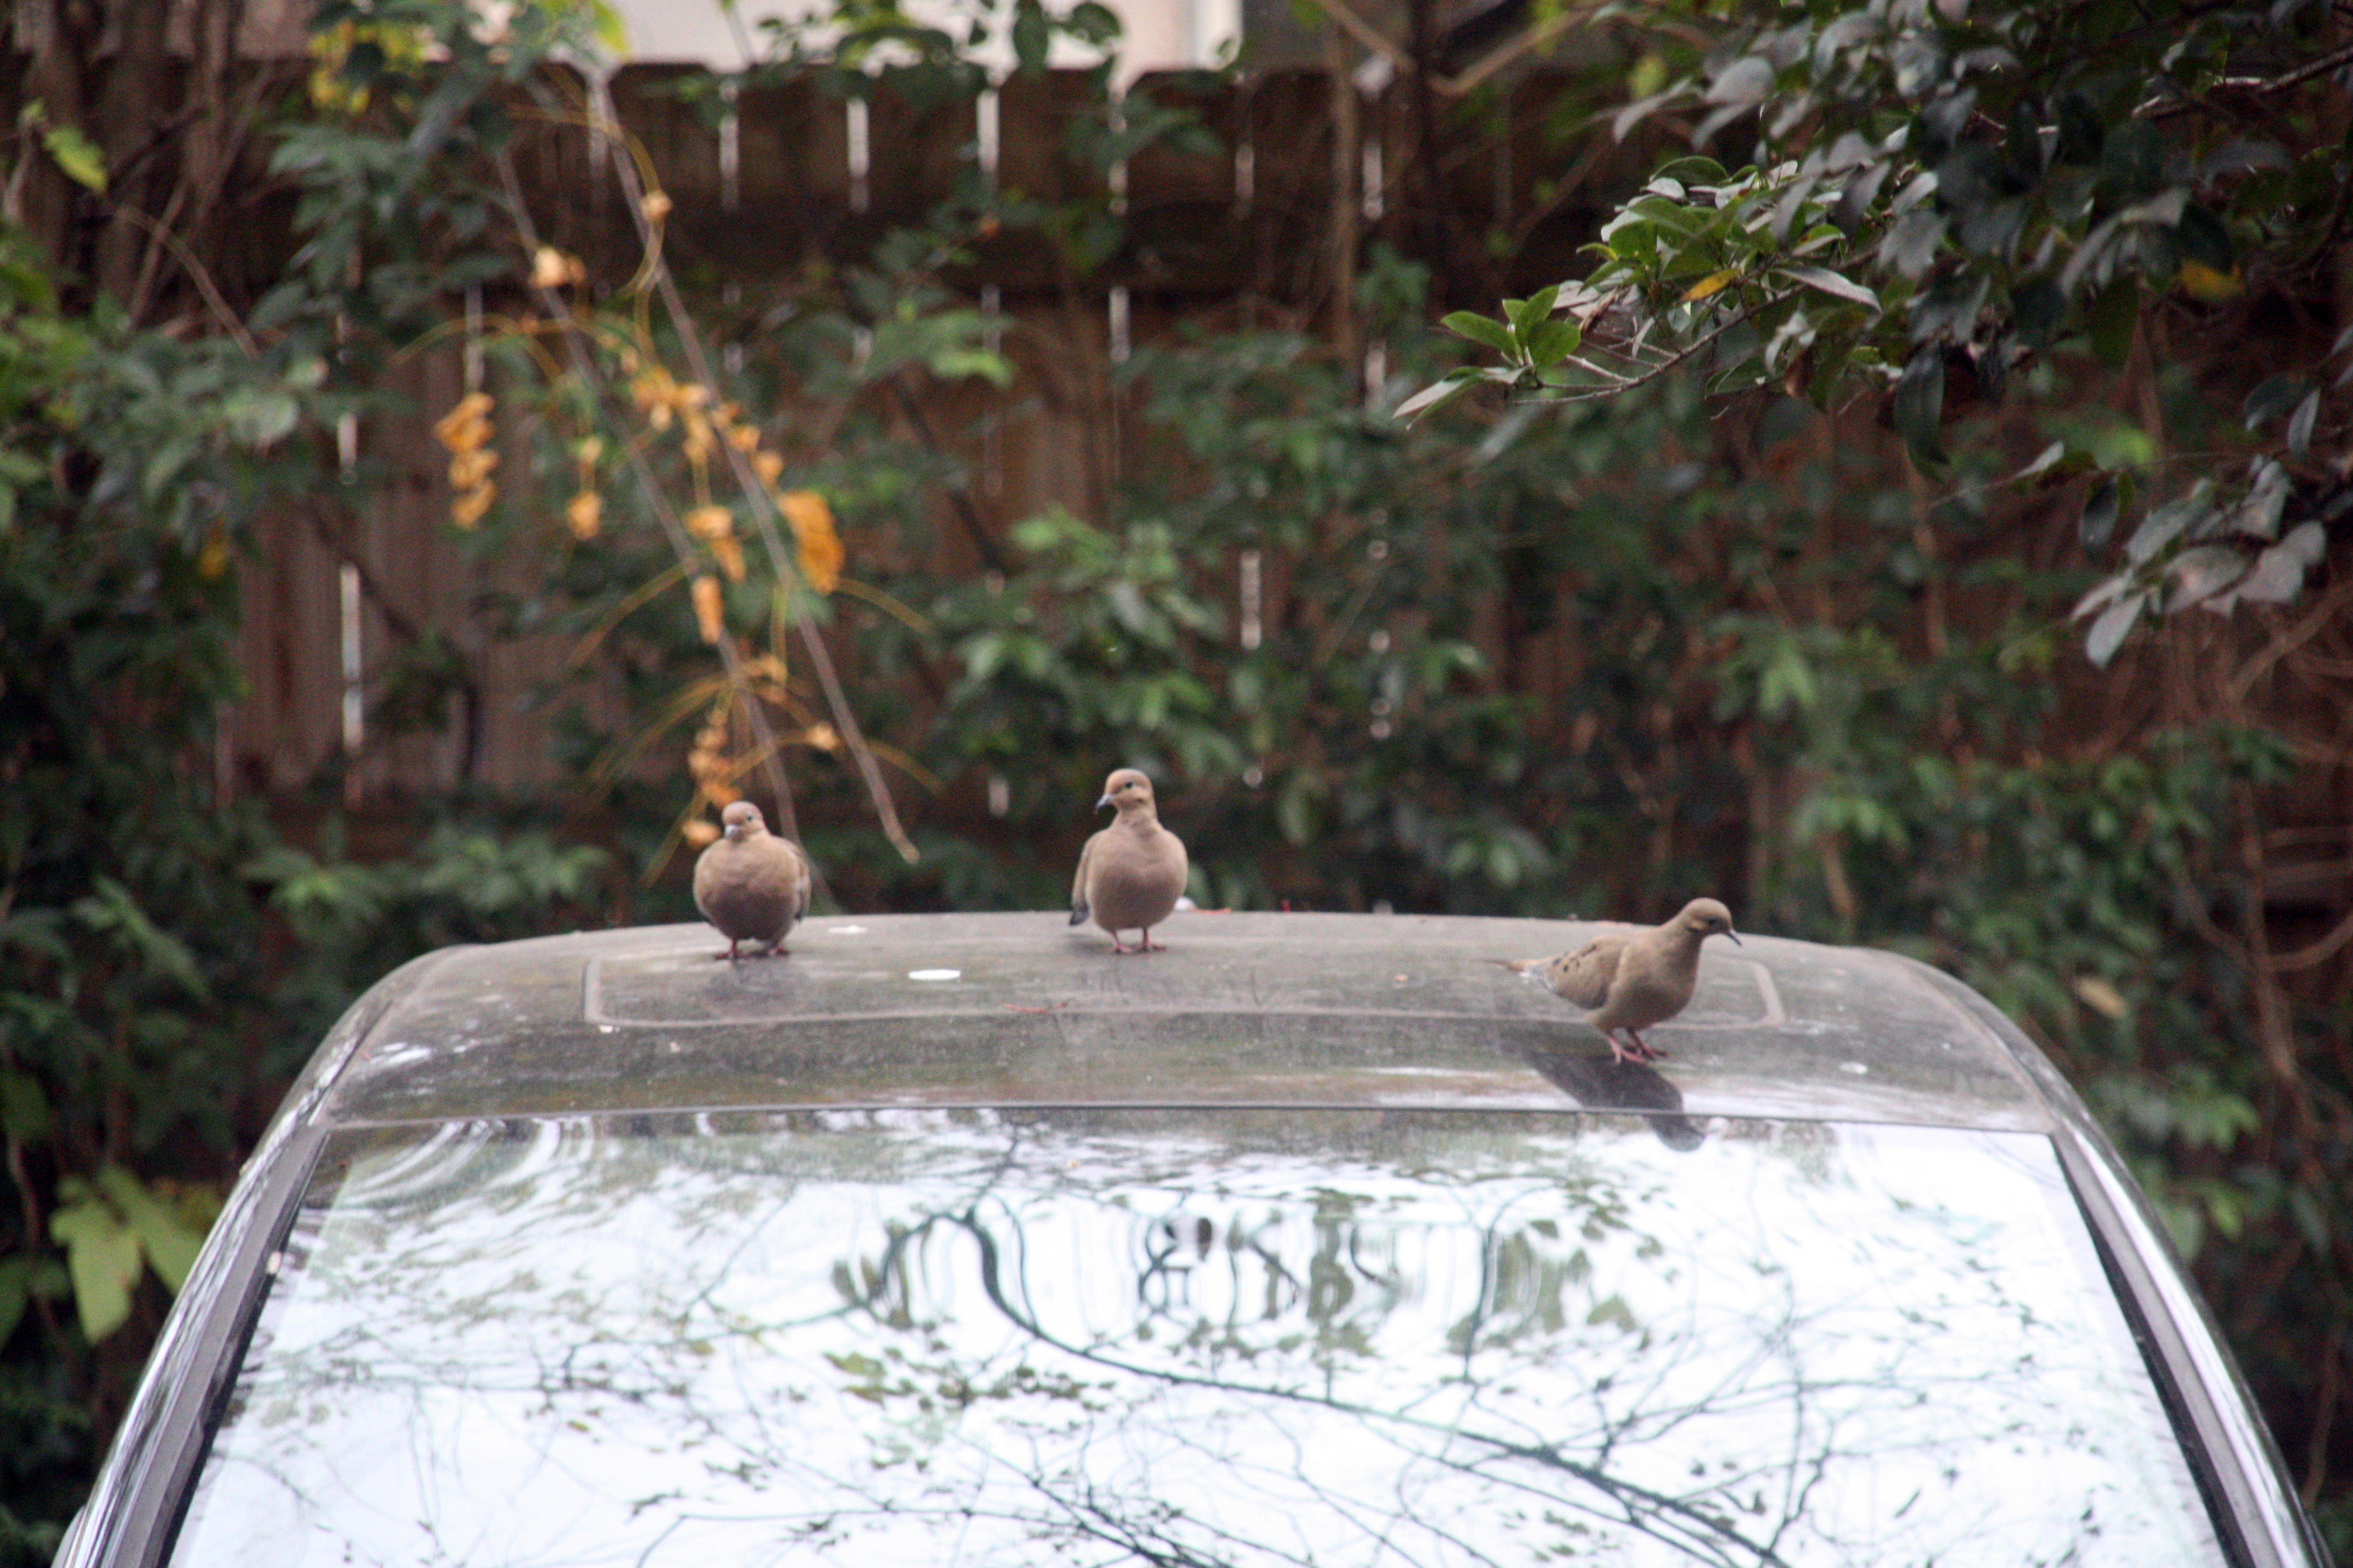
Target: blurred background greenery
[1714, 633]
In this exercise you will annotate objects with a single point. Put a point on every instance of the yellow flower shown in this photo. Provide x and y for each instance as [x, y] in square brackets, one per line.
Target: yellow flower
[655, 206]
[700, 831]
[467, 425]
[653, 390]
[213, 556]
[2203, 282]
[468, 507]
[470, 467]
[550, 268]
[710, 617]
[768, 465]
[731, 558]
[819, 541]
[709, 522]
[585, 513]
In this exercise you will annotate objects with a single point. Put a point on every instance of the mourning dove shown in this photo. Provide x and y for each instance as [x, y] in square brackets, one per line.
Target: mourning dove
[751, 884]
[1631, 982]
[1132, 873]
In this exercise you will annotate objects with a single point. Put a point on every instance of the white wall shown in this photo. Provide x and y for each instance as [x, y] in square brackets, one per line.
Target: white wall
[1159, 35]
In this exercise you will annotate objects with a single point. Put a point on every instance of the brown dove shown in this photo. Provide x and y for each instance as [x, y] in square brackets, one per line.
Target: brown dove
[1132, 873]
[751, 884]
[1632, 981]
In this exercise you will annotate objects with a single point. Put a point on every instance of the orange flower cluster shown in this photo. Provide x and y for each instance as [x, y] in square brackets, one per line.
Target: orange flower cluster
[703, 425]
[714, 775]
[552, 268]
[814, 535]
[466, 431]
[715, 526]
[586, 510]
[709, 608]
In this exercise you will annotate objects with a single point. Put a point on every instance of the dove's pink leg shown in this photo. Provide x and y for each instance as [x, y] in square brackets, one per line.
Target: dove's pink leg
[1649, 1053]
[1145, 945]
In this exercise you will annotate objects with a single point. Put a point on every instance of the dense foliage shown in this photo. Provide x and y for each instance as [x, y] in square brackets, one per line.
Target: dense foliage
[1579, 660]
[1943, 196]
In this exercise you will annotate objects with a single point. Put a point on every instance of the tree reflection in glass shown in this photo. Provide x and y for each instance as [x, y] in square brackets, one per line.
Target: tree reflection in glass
[1189, 1338]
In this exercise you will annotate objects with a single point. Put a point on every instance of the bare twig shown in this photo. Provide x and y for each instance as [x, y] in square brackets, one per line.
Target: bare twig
[203, 279]
[2318, 618]
[673, 529]
[765, 515]
[2161, 108]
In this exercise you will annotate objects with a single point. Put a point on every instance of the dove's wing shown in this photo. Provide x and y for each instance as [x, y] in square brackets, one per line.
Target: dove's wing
[1078, 909]
[1583, 977]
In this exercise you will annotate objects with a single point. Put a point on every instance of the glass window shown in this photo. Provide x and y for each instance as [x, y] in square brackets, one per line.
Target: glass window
[1392, 1338]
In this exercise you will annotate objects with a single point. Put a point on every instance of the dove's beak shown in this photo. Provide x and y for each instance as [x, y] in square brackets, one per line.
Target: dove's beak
[1104, 802]
[1734, 935]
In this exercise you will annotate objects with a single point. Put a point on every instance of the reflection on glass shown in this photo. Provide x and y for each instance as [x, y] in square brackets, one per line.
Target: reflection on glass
[1394, 1339]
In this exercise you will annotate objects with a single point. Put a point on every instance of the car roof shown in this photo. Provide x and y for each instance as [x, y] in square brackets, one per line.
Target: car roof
[1366, 1011]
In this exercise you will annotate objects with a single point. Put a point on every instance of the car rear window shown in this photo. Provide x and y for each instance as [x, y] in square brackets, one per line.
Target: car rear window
[1189, 1337]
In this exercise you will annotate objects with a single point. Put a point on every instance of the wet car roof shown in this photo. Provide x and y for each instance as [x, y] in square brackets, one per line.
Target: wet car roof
[1245, 1009]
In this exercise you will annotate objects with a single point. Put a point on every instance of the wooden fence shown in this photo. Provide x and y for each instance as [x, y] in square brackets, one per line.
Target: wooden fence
[787, 173]
[1263, 229]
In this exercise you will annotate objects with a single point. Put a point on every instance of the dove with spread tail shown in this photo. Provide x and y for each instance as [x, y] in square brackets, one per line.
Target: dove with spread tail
[1132, 873]
[750, 883]
[1628, 981]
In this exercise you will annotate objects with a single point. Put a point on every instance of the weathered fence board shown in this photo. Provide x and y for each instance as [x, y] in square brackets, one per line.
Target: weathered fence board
[785, 170]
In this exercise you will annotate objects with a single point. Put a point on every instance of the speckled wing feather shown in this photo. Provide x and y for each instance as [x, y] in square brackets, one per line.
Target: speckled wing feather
[1583, 977]
[1079, 883]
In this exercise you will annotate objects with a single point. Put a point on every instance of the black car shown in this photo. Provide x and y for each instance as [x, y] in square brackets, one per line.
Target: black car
[1313, 1239]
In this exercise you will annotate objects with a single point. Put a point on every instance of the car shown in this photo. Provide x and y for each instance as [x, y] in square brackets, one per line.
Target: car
[1312, 1239]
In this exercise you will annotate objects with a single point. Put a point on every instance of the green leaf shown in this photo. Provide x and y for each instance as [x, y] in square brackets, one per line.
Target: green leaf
[2200, 573]
[2100, 509]
[2202, 237]
[2108, 632]
[1554, 342]
[24, 1110]
[1920, 406]
[112, 909]
[1833, 284]
[1745, 80]
[170, 1243]
[2111, 319]
[2038, 309]
[2300, 423]
[15, 1293]
[2272, 397]
[1478, 329]
[103, 1261]
[1032, 36]
[77, 155]
[1455, 384]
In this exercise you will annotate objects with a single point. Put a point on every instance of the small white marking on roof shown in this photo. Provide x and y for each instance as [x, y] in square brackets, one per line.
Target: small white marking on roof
[845, 931]
[1856, 1067]
[935, 974]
